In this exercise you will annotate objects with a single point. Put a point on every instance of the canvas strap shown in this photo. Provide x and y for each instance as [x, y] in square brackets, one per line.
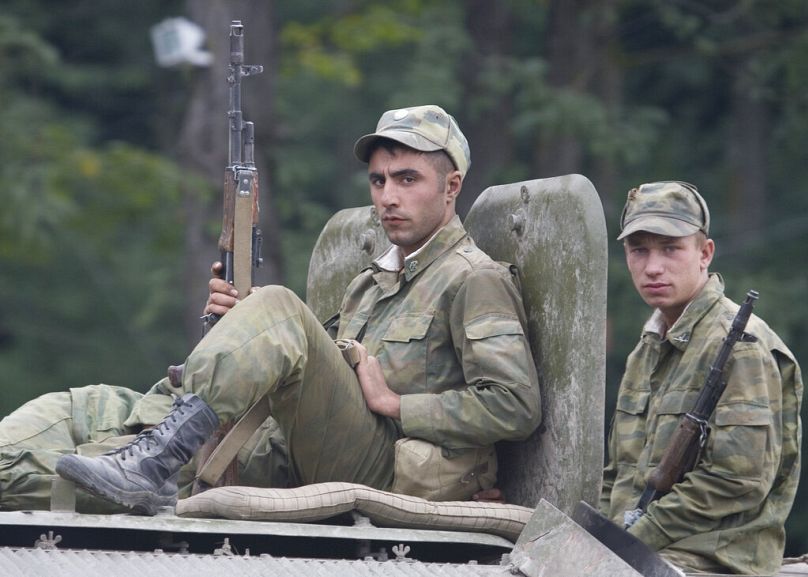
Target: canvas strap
[243, 233]
[228, 448]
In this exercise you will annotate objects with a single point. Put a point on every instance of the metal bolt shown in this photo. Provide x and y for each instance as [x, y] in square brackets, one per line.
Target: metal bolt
[360, 520]
[368, 241]
[516, 221]
[401, 551]
[47, 541]
[225, 550]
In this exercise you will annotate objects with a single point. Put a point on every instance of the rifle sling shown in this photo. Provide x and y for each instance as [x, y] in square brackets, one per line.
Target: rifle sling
[229, 447]
[243, 233]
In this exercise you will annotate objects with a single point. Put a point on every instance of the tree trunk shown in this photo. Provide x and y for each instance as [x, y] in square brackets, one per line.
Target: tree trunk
[746, 161]
[487, 130]
[578, 34]
[608, 87]
[568, 47]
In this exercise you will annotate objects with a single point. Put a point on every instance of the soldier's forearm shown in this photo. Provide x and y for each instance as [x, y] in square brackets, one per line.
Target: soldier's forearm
[378, 396]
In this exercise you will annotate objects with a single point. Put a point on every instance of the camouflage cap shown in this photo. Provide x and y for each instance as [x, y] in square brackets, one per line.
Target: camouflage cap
[669, 208]
[425, 128]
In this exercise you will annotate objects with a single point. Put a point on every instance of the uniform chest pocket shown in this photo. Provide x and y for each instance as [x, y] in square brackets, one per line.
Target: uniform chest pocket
[742, 443]
[352, 328]
[677, 402]
[628, 429]
[668, 411]
[408, 327]
[633, 402]
[404, 352]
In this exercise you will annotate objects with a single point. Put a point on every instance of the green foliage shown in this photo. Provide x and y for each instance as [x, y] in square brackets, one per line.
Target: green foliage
[103, 290]
[90, 229]
[329, 46]
[22, 51]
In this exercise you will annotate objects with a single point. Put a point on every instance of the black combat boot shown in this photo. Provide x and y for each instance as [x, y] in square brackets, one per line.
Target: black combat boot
[143, 474]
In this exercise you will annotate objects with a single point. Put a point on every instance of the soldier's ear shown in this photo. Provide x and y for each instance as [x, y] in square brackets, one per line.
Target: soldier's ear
[454, 182]
[707, 253]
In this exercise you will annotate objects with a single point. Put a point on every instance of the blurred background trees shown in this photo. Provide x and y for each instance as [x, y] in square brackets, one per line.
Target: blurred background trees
[111, 167]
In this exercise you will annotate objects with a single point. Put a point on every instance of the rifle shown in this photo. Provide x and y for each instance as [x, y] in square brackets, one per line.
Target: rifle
[240, 247]
[240, 240]
[688, 440]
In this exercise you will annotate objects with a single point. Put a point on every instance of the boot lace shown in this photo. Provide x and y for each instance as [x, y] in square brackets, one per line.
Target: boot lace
[146, 438]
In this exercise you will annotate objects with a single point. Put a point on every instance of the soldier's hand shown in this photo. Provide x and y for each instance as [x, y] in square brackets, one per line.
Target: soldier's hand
[222, 296]
[492, 495]
[380, 398]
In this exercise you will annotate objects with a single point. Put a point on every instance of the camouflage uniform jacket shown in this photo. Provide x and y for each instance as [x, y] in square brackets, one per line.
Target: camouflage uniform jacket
[728, 513]
[449, 332]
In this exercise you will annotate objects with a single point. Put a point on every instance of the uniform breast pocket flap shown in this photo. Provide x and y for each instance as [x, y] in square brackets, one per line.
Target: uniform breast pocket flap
[677, 402]
[633, 402]
[353, 327]
[408, 327]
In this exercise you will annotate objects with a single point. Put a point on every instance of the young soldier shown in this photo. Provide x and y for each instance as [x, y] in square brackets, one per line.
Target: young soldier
[443, 356]
[727, 514]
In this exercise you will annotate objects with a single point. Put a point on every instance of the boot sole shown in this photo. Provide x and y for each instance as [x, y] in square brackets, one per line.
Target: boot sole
[145, 502]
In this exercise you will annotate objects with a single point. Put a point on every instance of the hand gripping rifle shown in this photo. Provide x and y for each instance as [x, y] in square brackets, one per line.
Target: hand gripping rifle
[240, 241]
[690, 436]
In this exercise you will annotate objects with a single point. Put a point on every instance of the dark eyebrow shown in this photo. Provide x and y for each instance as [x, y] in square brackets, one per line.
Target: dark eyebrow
[641, 238]
[405, 172]
[636, 239]
[396, 174]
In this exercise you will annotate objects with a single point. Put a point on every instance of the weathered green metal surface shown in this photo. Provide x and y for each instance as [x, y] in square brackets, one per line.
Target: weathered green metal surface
[622, 543]
[552, 544]
[555, 232]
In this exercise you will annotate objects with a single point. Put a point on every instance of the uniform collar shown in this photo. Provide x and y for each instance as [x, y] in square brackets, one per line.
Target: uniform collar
[391, 260]
[679, 334]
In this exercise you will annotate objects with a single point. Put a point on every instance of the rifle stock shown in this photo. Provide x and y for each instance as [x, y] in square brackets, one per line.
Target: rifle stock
[679, 458]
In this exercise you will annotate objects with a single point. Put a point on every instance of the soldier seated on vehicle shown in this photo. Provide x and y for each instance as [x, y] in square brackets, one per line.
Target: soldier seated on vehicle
[439, 328]
[727, 514]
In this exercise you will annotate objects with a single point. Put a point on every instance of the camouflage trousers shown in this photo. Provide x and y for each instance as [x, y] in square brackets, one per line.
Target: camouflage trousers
[271, 343]
[94, 419]
[85, 420]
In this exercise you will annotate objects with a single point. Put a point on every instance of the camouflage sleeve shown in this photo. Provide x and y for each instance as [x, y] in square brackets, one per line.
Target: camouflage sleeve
[331, 326]
[609, 475]
[500, 397]
[613, 500]
[740, 460]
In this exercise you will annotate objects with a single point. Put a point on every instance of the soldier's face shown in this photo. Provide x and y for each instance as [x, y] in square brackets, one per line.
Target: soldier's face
[668, 272]
[413, 200]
